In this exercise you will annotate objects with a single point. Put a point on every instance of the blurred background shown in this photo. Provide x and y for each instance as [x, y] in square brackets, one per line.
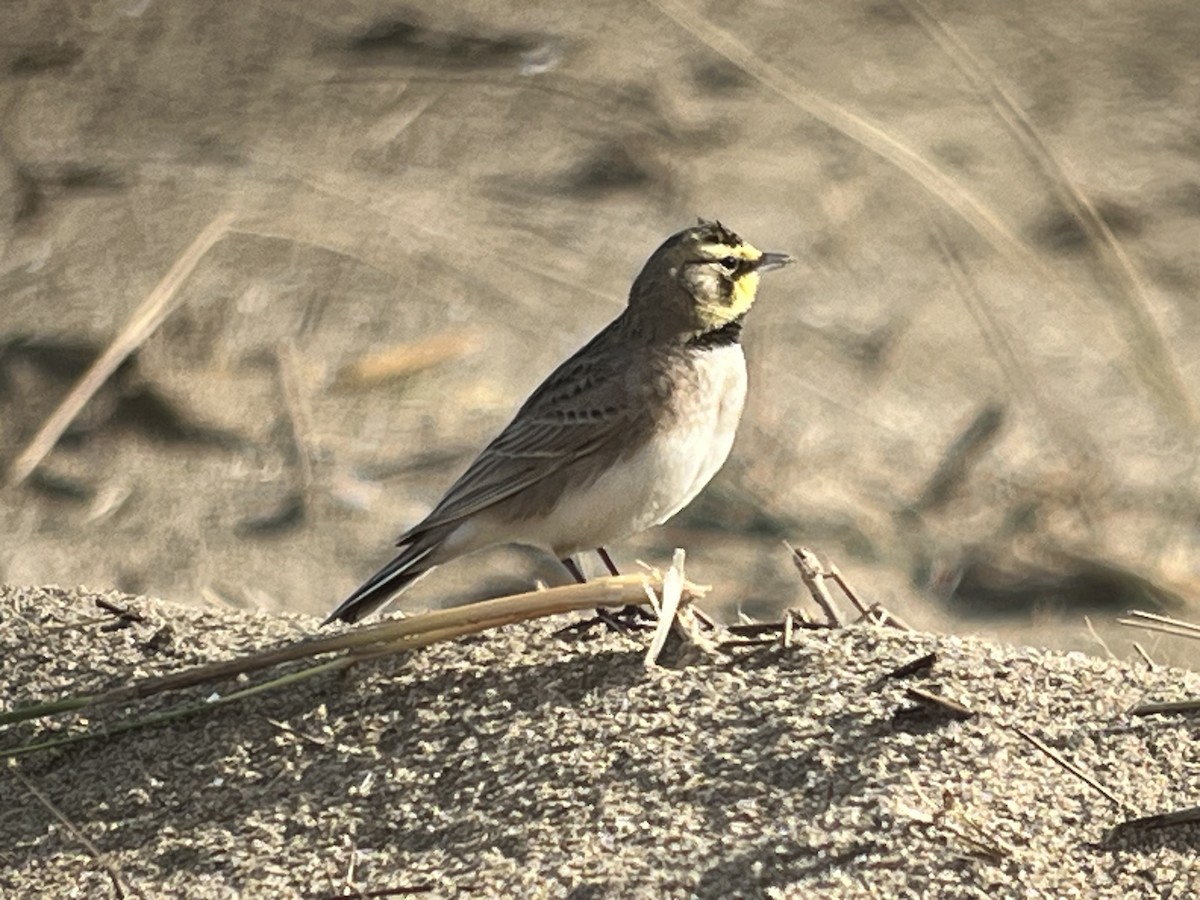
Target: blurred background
[976, 393]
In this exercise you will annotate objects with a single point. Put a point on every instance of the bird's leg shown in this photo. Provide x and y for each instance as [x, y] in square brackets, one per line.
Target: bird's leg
[624, 620]
[573, 567]
[632, 615]
[607, 560]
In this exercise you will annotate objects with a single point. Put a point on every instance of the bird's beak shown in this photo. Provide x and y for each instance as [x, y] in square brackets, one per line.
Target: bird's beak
[769, 261]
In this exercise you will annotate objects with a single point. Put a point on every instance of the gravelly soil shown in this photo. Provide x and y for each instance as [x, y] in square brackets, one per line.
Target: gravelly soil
[515, 764]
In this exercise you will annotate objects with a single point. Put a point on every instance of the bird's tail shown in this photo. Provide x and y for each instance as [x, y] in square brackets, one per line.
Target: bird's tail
[409, 565]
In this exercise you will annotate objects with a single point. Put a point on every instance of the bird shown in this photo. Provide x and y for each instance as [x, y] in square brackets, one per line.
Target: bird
[620, 437]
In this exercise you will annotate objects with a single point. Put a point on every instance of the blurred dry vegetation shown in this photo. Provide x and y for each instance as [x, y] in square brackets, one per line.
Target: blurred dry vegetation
[976, 393]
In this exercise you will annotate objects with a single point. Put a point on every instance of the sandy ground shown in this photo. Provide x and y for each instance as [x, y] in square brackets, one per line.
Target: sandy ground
[514, 764]
[958, 395]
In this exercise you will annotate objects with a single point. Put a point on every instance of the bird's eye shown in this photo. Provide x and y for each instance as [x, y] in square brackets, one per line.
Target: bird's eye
[730, 263]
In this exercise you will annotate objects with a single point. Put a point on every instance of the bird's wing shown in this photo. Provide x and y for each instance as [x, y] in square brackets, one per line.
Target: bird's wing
[590, 401]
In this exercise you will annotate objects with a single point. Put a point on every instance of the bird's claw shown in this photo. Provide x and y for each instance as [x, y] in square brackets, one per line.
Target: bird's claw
[626, 620]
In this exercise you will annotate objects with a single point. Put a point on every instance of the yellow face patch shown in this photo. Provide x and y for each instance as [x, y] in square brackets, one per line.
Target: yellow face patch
[744, 289]
[718, 311]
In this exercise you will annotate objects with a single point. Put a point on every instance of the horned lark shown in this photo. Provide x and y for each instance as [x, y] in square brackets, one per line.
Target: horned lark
[620, 437]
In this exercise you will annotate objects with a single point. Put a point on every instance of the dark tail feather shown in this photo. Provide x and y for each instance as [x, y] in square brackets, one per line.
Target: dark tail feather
[382, 586]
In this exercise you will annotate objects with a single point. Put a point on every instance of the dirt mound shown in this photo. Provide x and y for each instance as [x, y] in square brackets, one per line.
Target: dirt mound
[515, 764]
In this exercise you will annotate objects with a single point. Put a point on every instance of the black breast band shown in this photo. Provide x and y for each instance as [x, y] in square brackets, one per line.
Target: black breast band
[730, 333]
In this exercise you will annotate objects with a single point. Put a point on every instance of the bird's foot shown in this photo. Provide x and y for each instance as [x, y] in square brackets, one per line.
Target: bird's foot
[626, 620]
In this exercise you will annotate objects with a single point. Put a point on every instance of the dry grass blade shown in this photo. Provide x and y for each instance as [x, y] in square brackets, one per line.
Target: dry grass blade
[1168, 388]
[672, 595]
[1072, 768]
[813, 574]
[875, 612]
[149, 316]
[1141, 651]
[1186, 816]
[1152, 357]
[1189, 633]
[912, 667]
[1137, 618]
[120, 887]
[177, 713]
[1174, 706]
[380, 893]
[1091, 629]
[363, 644]
[387, 637]
[922, 664]
[123, 615]
[944, 705]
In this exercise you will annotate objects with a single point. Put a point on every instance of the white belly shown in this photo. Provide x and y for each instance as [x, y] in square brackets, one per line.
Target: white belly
[655, 482]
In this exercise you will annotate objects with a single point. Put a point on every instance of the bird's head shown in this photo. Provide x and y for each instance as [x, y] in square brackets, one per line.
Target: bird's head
[699, 281]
